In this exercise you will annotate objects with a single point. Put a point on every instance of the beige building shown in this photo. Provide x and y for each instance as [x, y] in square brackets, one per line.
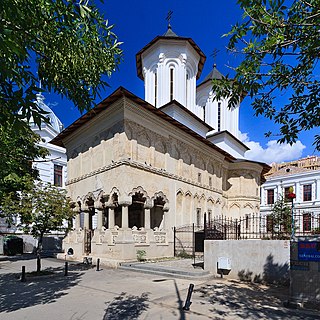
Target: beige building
[136, 169]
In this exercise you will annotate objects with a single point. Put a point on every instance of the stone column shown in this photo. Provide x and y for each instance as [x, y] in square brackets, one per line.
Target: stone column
[125, 216]
[165, 216]
[125, 202]
[147, 215]
[111, 217]
[77, 221]
[86, 224]
[100, 218]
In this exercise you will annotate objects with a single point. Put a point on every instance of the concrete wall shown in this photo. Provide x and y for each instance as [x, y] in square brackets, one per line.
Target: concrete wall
[250, 260]
[304, 274]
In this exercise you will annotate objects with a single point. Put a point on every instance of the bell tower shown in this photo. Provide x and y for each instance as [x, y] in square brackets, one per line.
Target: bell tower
[169, 65]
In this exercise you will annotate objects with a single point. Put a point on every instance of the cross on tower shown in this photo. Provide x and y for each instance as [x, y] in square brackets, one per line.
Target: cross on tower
[214, 55]
[168, 18]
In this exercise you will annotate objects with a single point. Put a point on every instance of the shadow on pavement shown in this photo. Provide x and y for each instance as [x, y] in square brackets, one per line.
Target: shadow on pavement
[15, 294]
[126, 307]
[25, 256]
[250, 301]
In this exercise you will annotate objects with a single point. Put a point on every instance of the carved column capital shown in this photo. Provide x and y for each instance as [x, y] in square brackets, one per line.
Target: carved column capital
[148, 205]
[125, 201]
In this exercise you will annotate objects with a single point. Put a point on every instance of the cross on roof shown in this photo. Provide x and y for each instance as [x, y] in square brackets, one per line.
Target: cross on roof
[214, 55]
[168, 18]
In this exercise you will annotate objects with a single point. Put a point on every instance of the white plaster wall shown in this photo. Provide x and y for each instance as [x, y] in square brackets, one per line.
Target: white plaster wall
[162, 56]
[255, 259]
[229, 117]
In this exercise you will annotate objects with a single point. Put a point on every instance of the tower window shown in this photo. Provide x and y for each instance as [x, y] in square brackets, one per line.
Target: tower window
[57, 180]
[155, 88]
[171, 84]
[204, 112]
[187, 78]
[199, 177]
[219, 116]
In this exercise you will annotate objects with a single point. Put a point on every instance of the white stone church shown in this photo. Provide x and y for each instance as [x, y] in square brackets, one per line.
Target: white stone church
[137, 168]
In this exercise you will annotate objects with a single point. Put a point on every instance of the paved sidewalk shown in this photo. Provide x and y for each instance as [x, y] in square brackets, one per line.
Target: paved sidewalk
[108, 294]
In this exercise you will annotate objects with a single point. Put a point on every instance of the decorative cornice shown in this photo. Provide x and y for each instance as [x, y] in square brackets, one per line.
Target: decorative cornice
[145, 167]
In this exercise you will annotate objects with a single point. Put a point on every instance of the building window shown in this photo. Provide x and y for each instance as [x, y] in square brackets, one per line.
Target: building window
[155, 88]
[198, 217]
[210, 181]
[307, 222]
[270, 196]
[171, 84]
[219, 116]
[307, 192]
[199, 177]
[57, 181]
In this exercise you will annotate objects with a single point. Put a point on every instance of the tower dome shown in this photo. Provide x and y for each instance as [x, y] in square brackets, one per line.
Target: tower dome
[54, 121]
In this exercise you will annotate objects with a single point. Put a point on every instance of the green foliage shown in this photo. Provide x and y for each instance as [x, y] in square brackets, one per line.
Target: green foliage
[17, 151]
[141, 255]
[41, 209]
[279, 44]
[184, 254]
[281, 216]
[65, 44]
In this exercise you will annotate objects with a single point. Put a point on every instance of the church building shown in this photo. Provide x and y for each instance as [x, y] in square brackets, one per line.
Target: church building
[137, 168]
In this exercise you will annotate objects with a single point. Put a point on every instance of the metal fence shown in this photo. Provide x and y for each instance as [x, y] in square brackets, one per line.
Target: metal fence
[188, 240]
[255, 226]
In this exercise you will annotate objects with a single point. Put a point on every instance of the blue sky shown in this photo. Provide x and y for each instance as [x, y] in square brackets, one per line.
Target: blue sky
[138, 22]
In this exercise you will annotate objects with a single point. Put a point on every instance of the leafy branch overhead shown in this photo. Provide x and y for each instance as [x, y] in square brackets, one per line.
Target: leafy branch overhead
[67, 45]
[279, 45]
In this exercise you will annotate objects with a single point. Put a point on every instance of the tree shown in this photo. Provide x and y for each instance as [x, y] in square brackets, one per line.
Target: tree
[17, 151]
[40, 210]
[279, 44]
[281, 216]
[66, 44]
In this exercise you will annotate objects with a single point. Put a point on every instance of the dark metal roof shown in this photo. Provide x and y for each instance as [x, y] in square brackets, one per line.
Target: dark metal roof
[214, 74]
[170, 35]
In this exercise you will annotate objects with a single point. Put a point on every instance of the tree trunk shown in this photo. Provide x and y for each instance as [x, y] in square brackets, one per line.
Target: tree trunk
[39, 249]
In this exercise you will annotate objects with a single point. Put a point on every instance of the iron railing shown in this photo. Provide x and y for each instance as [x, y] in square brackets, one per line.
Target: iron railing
[256, 226]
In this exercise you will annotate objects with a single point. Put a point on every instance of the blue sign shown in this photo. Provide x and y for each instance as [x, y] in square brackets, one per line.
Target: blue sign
[309, 250]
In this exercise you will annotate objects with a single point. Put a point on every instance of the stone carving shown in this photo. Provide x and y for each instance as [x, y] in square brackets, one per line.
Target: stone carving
[160, 237]
[114, 236]
[139, 236]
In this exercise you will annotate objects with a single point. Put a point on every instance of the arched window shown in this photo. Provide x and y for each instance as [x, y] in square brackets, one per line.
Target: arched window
[171, 83]
[187, 78]
[155, 88]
